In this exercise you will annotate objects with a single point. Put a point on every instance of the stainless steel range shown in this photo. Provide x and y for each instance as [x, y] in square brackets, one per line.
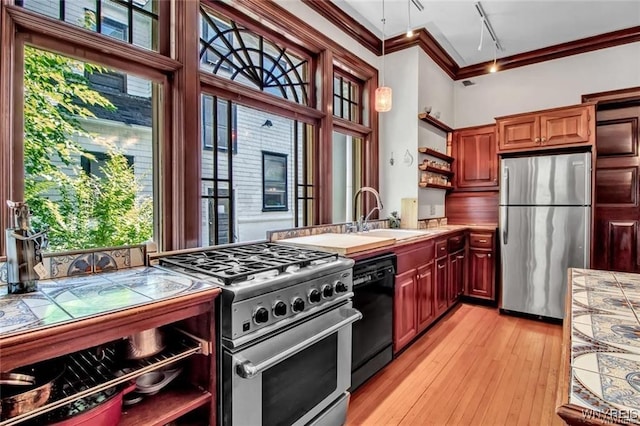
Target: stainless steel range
[285, 318]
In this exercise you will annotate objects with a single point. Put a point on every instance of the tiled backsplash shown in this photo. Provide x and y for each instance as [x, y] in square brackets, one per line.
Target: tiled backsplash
[72, 263]
[341, 228]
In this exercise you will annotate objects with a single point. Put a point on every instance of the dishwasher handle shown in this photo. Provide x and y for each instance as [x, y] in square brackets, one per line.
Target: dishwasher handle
[373, 276]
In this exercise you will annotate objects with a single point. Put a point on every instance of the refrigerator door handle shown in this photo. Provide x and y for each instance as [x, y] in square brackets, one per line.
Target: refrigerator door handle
[505, 227]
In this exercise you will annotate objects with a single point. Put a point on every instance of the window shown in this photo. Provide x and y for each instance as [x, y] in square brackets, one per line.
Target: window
[134, 22]
[79, 179]
[217, 41]
[274, 182]
[347, 97]
[252, 60]
[220, 122]
[95, 163]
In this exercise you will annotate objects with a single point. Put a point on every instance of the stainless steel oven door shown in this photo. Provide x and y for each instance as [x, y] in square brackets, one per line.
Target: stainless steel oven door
[291, 377]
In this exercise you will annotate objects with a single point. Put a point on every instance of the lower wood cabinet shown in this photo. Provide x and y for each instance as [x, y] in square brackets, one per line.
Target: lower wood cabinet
[425, 302]
[413, 308]
[481, 274]
[404, 312]
[441, 285]
[481, 282]
[457, 269]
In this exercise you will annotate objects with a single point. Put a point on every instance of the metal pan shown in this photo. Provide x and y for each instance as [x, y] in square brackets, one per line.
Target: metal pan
[19, 399]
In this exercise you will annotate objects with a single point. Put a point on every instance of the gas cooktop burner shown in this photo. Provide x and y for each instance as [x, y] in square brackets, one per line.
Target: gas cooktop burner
[242, 262]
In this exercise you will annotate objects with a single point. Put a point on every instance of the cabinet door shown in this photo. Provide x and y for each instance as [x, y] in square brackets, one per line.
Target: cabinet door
[566, 126]
[453, 279]
[442, 284]
[404, 309]
[476, 161]
[460, 273]
[481, 274]
[519, 132]
[426, 302]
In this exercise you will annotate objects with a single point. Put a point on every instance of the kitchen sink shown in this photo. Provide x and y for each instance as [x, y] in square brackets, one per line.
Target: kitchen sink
[398, 234]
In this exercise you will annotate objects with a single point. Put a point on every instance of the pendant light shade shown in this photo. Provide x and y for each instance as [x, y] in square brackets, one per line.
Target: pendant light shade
[384, 99]
[383, 93]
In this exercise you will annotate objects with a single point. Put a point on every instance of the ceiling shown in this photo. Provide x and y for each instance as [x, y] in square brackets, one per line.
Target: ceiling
[520, 25]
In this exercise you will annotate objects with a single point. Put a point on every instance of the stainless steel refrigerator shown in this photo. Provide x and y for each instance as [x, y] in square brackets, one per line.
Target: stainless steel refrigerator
[545, 222]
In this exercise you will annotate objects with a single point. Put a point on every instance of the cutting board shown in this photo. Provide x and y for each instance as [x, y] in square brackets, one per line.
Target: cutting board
[344, 244]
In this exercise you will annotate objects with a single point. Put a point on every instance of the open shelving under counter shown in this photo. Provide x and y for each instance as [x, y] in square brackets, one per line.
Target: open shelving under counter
[89, 349]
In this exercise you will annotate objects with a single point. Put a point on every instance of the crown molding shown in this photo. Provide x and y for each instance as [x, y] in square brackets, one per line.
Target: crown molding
[347, 24]
[430, 46]
[584, 45]
[434, 50]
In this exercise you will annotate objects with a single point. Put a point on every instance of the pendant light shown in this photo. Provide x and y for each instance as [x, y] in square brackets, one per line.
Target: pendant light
[383, 95]
[409, 29]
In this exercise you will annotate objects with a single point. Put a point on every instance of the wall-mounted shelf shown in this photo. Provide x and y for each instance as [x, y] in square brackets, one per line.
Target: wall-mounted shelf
[435, 185]
[436, 154]
[434, 122]
[444, 172]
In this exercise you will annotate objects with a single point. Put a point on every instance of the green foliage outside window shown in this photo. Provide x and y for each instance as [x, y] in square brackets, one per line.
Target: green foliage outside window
[86, 211]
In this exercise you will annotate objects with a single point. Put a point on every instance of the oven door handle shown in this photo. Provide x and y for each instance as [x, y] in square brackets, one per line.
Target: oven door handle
[247, 369]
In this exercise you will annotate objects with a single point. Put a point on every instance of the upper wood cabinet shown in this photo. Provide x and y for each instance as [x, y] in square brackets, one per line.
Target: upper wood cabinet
[476, 162]
[568, 126]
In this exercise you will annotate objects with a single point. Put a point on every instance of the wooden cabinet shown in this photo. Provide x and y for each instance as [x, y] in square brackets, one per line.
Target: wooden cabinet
[413, 306]
[404, 318]
[441, 285]
[456, 268]
[482, 270]
[425, 291]
[568, 126]
[476, 161]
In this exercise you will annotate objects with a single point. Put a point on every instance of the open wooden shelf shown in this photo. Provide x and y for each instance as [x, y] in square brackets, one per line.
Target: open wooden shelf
[435, 185]
[435, 122]
[436, 154]
[443, 172]
[165, 406]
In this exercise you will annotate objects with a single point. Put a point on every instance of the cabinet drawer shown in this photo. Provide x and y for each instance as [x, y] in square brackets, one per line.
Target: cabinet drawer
[441, 248]
[456, 243]
[480, 240]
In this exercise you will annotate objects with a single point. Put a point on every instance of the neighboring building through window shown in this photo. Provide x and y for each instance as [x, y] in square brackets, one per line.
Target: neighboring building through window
[95, 166]
[274, 182]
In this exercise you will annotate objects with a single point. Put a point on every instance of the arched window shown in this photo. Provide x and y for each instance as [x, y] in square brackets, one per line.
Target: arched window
[232, 51]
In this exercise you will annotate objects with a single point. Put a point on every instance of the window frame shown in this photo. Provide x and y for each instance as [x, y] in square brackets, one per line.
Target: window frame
[44, 33]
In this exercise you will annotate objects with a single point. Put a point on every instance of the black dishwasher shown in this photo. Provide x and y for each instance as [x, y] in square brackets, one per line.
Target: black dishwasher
[373, 287]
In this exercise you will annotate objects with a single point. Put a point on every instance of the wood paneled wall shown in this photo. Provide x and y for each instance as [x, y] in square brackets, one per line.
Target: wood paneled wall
[466, 208]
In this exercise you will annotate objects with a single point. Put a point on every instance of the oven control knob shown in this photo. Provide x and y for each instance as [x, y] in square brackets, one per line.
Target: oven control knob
[261, 315]
[314, 296]
[327, 291]
[297, 305]
[341, 287]
[279, 309]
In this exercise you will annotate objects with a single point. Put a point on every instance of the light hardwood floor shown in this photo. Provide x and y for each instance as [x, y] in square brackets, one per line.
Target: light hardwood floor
[475, 367]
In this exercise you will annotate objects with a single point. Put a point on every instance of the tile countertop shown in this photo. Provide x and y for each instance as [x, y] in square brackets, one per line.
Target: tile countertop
[434, 233]
[74, 298]
[600, 381]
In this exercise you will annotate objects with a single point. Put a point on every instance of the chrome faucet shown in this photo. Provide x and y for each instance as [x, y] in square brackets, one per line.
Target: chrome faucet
[361, 222]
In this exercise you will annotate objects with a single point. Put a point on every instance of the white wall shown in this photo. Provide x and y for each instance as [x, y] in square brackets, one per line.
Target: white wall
[399, 131]
[548, 84]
